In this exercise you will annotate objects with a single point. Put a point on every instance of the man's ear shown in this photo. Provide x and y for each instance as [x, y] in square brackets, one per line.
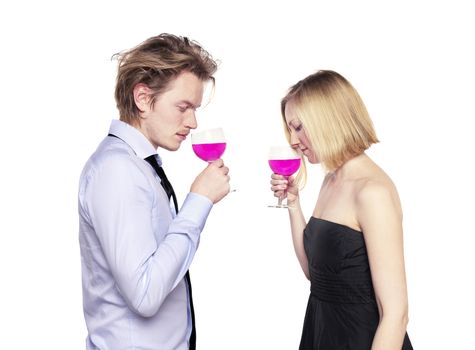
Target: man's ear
[142, 94]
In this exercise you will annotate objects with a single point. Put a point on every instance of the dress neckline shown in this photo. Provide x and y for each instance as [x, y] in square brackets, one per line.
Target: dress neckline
[336, 223]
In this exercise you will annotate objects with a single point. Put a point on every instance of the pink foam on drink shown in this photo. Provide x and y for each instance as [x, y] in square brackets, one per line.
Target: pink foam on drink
[285, 167]
[209, 151]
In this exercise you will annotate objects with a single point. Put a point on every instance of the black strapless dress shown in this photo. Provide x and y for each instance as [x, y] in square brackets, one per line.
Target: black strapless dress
[342, 313]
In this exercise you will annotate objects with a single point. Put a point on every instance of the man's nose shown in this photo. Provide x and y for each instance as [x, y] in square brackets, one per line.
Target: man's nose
[190, 121]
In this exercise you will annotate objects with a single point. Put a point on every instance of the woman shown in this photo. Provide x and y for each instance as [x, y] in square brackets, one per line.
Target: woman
[351, 249]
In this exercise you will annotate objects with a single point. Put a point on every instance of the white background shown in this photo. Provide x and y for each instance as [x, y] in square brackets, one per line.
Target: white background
[411, 61]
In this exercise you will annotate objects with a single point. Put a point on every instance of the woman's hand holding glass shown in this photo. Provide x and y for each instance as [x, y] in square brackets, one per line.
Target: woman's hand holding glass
[284, 162]
[284, 187]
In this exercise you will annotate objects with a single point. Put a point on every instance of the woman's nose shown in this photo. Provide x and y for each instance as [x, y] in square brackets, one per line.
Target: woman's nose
[294, 140]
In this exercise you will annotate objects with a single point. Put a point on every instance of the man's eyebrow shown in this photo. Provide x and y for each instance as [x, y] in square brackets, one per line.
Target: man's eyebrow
[189, 104]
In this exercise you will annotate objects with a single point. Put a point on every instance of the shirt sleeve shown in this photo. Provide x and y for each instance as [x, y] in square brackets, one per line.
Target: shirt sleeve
[122, 205]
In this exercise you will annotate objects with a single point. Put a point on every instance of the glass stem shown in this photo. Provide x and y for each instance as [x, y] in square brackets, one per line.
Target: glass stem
[283, 196]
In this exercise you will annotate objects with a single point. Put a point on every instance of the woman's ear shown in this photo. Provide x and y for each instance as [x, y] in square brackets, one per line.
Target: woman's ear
[142, 94]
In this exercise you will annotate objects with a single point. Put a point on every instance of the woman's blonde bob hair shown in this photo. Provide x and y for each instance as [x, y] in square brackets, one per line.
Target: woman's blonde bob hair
[333, 117]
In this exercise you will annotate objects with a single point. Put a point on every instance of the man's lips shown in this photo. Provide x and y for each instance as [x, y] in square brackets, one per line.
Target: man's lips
[182, 135]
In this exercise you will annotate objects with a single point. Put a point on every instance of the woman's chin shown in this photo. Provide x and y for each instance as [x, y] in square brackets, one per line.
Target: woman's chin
[311, 158]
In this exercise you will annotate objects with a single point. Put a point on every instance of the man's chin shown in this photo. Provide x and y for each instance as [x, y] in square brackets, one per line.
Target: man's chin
[172, 148]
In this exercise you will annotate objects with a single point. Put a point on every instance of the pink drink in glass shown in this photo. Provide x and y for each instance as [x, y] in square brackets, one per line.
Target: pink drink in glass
[209, 151]
[285, 167]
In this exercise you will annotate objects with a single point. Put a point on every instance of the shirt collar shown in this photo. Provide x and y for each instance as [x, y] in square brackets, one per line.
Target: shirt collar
[134, 138]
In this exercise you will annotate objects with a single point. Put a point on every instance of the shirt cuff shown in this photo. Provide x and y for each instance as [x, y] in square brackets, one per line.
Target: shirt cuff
[196, 208]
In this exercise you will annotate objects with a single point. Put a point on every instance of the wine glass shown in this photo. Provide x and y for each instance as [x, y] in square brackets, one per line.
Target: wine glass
[283, 160]
[209, 144]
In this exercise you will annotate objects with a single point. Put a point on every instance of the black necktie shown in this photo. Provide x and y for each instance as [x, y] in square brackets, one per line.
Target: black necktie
[167, 186]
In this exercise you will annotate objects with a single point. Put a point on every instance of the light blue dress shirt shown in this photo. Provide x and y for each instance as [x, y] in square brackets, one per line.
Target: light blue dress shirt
[135, 250]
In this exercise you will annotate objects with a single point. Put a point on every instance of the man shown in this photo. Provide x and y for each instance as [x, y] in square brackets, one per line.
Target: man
[136, 247]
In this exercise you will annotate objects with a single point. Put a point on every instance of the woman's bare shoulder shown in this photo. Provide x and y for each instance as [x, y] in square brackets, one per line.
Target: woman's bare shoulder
[377, 189]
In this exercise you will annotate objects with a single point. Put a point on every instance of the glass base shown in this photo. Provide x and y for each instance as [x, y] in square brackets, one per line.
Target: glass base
[281, 203]
[278, 206]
